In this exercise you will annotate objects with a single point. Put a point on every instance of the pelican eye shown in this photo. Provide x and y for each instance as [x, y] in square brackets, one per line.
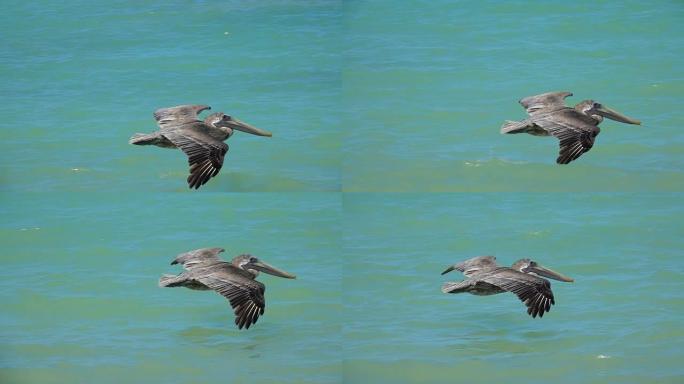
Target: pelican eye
[253, 260]
[596, 105]
[227, 118]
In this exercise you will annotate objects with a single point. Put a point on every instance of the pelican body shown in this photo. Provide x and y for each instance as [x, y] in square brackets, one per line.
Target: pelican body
[576, 128]
[202, 141]
[524, 278]
[234, 280]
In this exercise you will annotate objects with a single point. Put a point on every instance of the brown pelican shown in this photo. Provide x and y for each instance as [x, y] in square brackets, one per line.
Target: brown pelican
[486, 277]
[234, 280]
[202, 141]
[576, 128]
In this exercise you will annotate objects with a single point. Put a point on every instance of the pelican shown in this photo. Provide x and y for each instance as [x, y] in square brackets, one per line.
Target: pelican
[486, 277]
[576, 128]
[234, 280]
[202, 141]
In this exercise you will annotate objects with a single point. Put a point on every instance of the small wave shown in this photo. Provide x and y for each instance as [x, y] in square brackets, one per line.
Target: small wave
[493, 161]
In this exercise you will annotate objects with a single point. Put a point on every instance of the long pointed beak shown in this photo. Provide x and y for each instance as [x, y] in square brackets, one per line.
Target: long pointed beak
[244, 127]
[545, 272]
[617, 116]
[271, 270]
[453, 267]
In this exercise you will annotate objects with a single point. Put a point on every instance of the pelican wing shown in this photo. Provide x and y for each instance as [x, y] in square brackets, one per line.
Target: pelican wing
[575, 131]
[476, 265]
[175, 116]
[198, 258]
[533, 291]
[510, 126]
[545, 102]
[245, 294]
[457, 286]
[205, 154]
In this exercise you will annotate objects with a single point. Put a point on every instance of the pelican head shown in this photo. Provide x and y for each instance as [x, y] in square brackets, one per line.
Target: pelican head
[253, 265]
[531, 266]
[598, 111]
[221, 120]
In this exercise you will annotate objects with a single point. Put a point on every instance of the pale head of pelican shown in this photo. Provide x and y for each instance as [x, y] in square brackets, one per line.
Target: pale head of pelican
[253, 265]
[228, 123]
[531, 266]
[598, 111]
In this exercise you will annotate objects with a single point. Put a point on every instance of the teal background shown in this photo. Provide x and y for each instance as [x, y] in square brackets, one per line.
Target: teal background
[428, 84]
[80, 77]
[619, 322]
[81, 301]
[391, 103]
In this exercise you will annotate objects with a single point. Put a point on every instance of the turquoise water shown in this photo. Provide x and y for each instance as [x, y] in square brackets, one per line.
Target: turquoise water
[428, 86]
[386, 102]
[619, 322]
[79, 79]
[81, 302]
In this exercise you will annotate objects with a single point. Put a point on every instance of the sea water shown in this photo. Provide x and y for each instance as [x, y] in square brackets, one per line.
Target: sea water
[385, 101]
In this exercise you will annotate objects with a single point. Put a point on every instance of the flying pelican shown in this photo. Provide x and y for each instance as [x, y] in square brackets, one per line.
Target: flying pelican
[576, 128]
[234, 280]
[202, 141]
[486, 277]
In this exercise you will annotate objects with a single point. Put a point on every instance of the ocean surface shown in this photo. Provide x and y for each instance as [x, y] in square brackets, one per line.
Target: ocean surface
[427, 86]
[80, 77]
[619, 322]
[81, 301]
[386, 166]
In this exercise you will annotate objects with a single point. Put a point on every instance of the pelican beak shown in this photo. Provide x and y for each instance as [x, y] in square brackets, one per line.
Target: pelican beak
[455, 266]
[545, 272]
[244, 127]
[617, 116]
[271, 270]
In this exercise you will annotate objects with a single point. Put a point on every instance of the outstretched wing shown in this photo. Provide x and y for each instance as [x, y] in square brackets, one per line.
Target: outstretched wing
[246, 296]
[179, 115]
[457, 286]
[205, 154]
[575, 131]
[533, 291]
[545, 102]
[476, 265]
[198, 258]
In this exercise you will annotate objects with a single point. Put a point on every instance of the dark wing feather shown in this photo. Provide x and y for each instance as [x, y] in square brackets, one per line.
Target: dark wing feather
[176, 116]
[533, 291]
[573, 147]
[205, 154]
[198, 258]
[575, 132]
[246, 296]
[544, 102]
